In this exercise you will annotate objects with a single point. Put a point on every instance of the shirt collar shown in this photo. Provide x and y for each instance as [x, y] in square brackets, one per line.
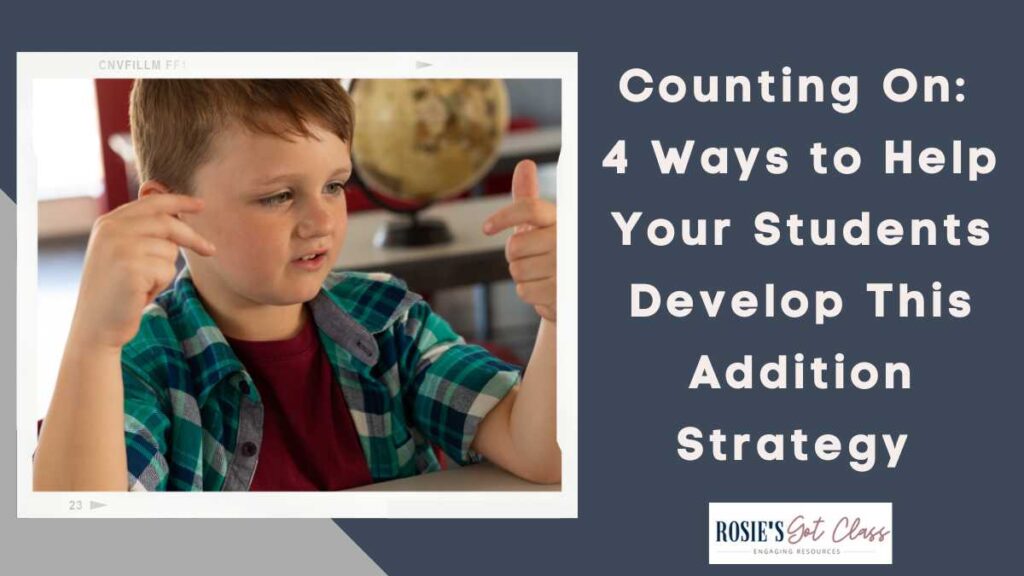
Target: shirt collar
[349, 309]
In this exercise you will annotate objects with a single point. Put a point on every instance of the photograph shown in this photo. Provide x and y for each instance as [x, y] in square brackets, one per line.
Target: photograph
[296, 284]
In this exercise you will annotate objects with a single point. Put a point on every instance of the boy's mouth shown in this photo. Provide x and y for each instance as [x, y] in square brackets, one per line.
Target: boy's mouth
[312, 260]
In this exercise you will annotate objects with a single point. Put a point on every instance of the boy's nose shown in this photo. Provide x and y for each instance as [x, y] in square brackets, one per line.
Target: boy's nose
[317, 220]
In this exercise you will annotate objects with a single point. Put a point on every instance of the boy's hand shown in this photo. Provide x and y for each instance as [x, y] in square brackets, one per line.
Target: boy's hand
[130, 259]
[530, 251]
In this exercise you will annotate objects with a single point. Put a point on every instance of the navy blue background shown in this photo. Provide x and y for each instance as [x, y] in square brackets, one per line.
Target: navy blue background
[956, 492]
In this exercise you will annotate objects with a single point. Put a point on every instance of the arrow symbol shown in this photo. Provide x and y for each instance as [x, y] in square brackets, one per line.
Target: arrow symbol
[94, 505]
[422, 64]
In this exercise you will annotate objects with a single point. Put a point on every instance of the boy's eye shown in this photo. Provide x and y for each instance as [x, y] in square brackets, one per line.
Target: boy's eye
[336, 188]
[276, 199]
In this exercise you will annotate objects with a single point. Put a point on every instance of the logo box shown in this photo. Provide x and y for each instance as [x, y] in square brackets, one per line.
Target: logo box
[800, 533]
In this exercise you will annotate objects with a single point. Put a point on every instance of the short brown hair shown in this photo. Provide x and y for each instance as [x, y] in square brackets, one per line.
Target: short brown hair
[173, 121]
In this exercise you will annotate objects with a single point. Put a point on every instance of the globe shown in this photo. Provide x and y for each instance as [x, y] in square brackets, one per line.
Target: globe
[422, 140]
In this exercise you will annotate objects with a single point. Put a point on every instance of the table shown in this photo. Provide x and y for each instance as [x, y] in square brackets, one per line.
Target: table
[476, 477]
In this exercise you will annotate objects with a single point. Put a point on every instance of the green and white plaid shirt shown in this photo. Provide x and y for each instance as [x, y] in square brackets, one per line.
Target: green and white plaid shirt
[194, 420]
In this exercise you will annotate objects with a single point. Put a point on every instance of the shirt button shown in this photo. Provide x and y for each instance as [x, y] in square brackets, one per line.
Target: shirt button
[248, 449]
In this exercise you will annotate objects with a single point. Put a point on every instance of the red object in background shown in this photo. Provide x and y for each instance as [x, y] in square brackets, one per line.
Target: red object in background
[112, 99]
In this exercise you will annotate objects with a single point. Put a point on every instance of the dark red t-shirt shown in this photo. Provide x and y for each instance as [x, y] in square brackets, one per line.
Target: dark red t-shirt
[309, 439]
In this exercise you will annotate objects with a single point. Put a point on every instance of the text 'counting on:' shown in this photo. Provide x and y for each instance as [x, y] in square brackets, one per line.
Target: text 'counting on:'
[899, 85]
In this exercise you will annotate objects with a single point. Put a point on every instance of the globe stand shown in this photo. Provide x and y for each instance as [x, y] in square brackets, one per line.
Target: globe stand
[414, 231]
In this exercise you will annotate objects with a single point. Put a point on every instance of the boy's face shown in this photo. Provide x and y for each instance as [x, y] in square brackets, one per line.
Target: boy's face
[269, 202]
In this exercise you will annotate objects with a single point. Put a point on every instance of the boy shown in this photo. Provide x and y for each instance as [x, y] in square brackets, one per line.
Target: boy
[261, 369]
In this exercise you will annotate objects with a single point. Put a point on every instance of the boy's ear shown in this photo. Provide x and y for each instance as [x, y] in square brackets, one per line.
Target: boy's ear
[153, 187]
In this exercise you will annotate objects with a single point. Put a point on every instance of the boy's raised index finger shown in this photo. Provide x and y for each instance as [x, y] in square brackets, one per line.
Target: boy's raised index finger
[185, 236]
[524, 180]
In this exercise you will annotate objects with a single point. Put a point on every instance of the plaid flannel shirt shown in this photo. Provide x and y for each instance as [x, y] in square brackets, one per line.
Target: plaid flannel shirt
[194, 420]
